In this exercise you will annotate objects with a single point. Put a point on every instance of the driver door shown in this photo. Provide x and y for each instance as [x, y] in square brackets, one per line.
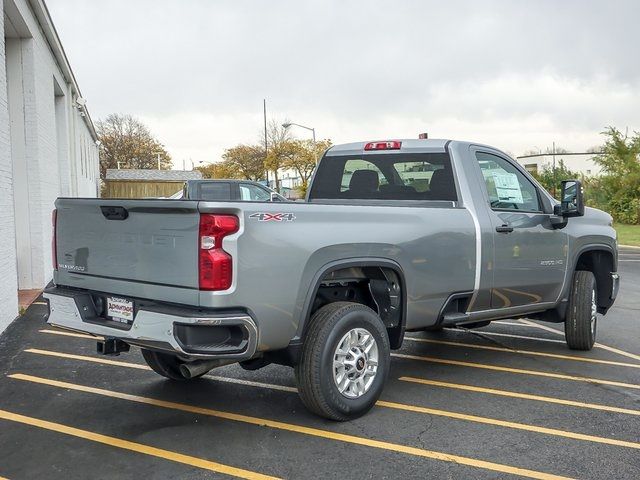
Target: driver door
[530, 256]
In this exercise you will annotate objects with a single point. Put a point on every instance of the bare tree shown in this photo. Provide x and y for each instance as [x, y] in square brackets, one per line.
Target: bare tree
[127, 141]
[277, 138]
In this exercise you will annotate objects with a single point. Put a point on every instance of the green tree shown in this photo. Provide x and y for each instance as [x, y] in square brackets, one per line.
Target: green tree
[126, 142]
[218, 170]
[551, 177]
[620, 180]
[302, 157]
[246, 160]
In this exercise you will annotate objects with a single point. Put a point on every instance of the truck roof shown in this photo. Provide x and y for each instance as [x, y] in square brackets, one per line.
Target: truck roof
[412, 145]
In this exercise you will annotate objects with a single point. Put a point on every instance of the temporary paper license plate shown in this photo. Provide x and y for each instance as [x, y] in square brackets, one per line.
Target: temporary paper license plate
[120, 309]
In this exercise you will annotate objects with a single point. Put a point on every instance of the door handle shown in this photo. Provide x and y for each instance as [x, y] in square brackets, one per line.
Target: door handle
[504, 229]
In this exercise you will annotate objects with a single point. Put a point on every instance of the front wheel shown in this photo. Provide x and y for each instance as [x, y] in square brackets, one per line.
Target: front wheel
[582, 312]
[345, 361]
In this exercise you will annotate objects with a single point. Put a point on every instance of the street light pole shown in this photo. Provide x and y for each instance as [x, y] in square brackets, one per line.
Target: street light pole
[313, 130]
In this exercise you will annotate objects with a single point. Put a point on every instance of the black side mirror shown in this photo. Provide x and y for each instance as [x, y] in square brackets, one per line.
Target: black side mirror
[572, 202]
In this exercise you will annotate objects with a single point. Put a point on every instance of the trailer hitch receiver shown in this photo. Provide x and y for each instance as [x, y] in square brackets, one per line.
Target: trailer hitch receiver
[112, 346]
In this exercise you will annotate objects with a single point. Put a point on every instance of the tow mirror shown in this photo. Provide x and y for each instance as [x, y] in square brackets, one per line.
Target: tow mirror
[572, 202]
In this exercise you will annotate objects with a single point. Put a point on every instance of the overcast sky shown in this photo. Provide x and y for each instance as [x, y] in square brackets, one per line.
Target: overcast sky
[515, 74]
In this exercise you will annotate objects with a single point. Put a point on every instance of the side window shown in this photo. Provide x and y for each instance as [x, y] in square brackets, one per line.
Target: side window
[508, 188]
[253, 193]
[215, 191]
[361, 176]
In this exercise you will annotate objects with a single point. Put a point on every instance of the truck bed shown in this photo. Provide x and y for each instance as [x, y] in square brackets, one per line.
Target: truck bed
[278, 251]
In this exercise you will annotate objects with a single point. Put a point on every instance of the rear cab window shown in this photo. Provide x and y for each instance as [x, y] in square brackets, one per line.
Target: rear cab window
[384, 176]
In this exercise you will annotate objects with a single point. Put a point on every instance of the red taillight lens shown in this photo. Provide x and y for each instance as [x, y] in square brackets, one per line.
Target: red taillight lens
[215, 266]
[54, 248]
[386, 145]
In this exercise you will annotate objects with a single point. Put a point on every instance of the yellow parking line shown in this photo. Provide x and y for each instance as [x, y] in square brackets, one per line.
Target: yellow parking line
[515, 370]
[515, 425]
[524, 352]
[70, 334]
[506, 301]
[504, 322]
[442, 413]
[458, 386]
[536, 298]
[315, 432]
[526, 396]
[104, 361]
[600, 345]
[508, 335]
[133, 446]
[90, 337]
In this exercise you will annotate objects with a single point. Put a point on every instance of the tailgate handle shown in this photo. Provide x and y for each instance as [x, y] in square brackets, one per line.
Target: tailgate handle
[114, 213]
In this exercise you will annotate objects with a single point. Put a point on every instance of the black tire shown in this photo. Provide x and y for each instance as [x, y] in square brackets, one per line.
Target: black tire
[581, 321]
[165, 364]
[315, 371]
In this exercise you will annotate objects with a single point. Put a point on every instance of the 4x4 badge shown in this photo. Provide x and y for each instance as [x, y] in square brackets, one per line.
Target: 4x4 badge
[273, 217]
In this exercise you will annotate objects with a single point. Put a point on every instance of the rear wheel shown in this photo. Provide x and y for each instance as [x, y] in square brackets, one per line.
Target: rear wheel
[165, 364]
[345, 361]
[582, 312]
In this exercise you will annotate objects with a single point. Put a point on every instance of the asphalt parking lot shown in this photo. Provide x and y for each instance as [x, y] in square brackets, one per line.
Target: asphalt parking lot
[503, 401]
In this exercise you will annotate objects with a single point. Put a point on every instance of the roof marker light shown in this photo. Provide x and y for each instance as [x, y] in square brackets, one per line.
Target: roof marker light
[386, 145]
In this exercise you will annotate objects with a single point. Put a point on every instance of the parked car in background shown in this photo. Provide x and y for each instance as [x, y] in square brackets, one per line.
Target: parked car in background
[227, 190]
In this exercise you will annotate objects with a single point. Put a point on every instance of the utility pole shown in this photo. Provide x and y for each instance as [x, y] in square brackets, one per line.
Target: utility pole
[266, 152]
[555, 175]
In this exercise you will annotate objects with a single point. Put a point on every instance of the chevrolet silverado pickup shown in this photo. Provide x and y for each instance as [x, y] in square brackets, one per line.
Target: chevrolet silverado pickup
[394, 236]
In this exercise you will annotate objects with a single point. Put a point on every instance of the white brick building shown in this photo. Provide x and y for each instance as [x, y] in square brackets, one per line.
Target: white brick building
[47, 147]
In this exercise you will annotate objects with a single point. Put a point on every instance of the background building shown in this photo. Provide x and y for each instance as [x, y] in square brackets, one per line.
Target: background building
[47, 147]
[132, 183]
[578, 162]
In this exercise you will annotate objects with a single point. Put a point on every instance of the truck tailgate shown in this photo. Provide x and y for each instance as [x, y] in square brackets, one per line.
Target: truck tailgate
[139, 248]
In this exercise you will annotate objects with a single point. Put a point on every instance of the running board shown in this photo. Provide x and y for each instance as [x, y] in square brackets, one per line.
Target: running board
[452, 319]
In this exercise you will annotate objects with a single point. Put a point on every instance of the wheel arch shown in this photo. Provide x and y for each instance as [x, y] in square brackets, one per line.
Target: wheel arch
[375, 269]
[601, 261]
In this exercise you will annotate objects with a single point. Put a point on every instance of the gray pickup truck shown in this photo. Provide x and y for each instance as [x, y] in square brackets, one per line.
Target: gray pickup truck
[394, 236]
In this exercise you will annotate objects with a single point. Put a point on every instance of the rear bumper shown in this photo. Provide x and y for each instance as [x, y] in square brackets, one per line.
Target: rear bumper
[190, 333]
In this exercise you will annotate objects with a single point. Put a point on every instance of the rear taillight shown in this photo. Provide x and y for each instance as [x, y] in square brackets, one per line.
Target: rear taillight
[215, 266]
[386, 145]
[54, 248]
